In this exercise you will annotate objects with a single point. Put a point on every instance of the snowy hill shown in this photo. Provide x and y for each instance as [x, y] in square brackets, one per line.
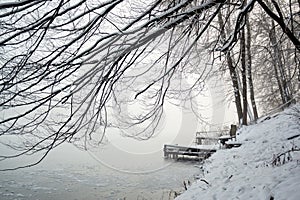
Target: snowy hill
[255, 170]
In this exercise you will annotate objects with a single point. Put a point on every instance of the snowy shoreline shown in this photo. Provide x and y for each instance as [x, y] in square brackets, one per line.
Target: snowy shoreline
[265, 167]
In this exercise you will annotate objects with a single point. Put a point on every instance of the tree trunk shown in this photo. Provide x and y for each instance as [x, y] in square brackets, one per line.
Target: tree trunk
[235, 84]
[249, 67]
[244, 76]
[232, 71]
[280, 73]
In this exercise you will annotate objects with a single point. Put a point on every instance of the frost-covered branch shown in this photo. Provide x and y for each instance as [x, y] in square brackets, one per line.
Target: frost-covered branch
[71, 70]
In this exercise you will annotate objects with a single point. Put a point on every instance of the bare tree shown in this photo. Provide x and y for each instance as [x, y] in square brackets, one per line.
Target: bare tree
[277, 80]
[233, 72]
[244, 76]
[66, 65]
[249, 69]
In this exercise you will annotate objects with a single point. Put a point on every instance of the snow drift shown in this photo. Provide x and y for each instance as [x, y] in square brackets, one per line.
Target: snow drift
[266, 166]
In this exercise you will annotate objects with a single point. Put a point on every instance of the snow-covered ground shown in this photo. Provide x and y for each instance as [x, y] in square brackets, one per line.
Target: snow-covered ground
[250, 171]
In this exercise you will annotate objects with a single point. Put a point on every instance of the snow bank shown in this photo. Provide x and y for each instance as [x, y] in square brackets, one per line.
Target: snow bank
[250, 172]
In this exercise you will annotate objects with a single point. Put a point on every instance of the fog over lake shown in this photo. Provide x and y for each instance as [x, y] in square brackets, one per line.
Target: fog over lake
[120, 167]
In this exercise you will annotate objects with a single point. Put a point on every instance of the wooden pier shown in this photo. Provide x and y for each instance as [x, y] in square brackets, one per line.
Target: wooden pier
[204, 147]
[177, 152]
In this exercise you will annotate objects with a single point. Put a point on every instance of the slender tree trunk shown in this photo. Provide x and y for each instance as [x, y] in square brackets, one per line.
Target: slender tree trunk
[249, 67]
[280, 73]
[233, 73]
[235, 85]
[244, 76]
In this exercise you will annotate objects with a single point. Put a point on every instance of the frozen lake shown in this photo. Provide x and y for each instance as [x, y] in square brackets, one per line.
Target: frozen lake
[123, 167]
[69, 173]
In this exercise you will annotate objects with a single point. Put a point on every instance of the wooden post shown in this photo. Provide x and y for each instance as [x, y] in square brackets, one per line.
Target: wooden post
[198, 140]
[232, 132]
[165, 151]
